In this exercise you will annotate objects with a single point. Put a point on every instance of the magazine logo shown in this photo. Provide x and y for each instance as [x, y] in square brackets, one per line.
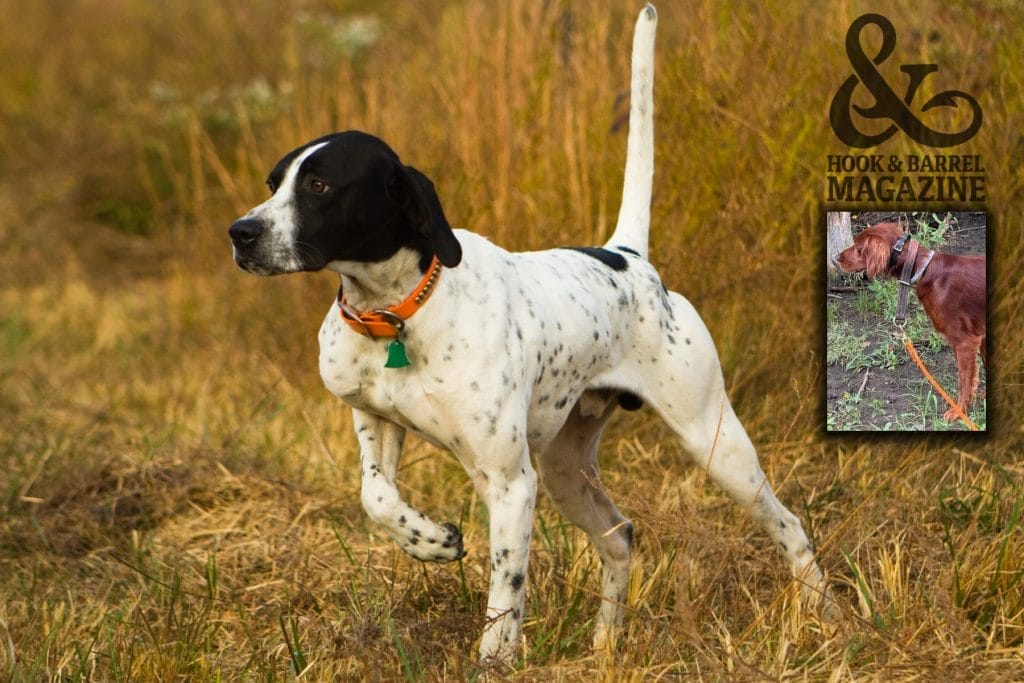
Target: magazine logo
[904, 179]
[888, 105]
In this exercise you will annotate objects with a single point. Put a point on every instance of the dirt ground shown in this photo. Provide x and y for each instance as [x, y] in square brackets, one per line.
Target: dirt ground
[890, 396]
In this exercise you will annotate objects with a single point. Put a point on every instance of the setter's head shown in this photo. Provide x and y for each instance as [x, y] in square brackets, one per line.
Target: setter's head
[870, 251]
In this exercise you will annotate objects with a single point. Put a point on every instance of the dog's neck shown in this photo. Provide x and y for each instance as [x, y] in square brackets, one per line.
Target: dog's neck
[370, 286]
[919, 268]
[897, 259]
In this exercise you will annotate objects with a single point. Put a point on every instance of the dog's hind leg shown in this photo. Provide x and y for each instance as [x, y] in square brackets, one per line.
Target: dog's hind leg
[568, 470]
[685, 386]
[380, 444]
[968, 378]
[720, 445]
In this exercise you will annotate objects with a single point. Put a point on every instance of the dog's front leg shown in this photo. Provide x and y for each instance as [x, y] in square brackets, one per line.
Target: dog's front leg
[510, 492]
[380, 445]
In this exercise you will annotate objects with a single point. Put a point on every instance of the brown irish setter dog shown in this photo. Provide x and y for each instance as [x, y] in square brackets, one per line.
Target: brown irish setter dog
[951, 290]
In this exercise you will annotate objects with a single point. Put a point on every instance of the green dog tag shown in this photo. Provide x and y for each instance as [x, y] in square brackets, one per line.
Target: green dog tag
[396, 355]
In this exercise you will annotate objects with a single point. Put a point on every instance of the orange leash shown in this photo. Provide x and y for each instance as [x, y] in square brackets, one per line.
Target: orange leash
[909, 345]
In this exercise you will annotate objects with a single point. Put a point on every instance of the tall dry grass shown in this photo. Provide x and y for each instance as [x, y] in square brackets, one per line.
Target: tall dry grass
[178, 495]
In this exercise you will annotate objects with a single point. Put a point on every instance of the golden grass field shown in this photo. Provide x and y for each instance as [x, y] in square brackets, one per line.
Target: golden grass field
[178, 493]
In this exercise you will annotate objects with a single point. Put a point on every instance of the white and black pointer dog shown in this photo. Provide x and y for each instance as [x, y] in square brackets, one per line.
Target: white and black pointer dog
[511, 361]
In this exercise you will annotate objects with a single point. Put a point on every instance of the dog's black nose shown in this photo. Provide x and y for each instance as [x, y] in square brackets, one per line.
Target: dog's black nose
[244, 231]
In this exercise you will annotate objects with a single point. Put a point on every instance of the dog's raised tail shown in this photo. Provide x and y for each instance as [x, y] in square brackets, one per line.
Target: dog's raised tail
[634, 222]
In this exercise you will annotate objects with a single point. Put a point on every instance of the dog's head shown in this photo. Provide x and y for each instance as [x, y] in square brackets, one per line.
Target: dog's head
[870, 251]
[342, 197]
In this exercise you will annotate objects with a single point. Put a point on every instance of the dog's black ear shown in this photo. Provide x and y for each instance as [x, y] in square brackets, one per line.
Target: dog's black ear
[414, 192]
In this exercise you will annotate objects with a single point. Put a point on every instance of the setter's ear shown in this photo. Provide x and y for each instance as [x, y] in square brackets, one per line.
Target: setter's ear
[875, 251]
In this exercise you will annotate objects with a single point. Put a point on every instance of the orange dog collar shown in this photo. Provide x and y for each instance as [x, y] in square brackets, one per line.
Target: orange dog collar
[390, 321]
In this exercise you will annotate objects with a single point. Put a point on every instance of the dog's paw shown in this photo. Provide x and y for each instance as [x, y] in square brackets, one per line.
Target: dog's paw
[952, 415]
[443, 546]
[453, 540]
[605, 637]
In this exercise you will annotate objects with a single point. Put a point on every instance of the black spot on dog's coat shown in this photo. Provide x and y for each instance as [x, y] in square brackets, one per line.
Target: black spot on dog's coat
[614, 261]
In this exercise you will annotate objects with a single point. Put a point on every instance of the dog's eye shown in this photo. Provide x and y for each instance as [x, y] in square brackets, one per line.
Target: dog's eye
[270, 184]
[317, 185]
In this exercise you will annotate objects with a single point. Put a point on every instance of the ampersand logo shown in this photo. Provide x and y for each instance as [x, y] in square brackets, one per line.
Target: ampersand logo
[889, 105]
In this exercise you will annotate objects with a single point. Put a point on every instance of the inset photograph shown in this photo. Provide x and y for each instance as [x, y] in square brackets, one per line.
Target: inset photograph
[905, 319]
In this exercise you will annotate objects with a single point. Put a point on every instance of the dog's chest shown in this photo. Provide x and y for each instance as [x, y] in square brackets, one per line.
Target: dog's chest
[352, 367]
